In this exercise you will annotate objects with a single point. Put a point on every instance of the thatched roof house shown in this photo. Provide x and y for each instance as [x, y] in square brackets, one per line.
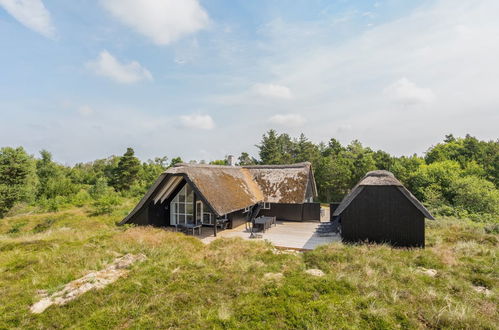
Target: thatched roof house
[380, 209]
[189, 193]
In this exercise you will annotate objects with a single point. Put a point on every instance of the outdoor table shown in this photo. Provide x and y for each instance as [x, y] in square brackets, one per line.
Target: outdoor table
[266, 222]
[190, 227]
[222, 223]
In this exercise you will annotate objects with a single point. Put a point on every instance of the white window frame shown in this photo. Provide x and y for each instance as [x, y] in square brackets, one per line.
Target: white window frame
[247, 209]
[175, 213]
[266, 206]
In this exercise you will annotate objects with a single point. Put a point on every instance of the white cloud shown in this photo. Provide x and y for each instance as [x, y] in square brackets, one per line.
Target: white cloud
[288, 120]
[85, 110]
[452, 66]
[197, 121]
[32, 14]
[163, 21]
[406, 92]
[273, 90]
[108, 66]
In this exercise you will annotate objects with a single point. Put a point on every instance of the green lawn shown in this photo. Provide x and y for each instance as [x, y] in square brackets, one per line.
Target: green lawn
[184, 283]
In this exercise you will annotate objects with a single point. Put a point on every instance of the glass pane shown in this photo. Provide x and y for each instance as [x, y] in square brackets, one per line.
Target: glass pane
[182, 218]
[190, 194]
[190, 218]
[199, 209]
[189, 208]
[181, 208]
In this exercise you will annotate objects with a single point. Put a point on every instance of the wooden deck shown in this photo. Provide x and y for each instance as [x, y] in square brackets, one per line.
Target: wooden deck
[286, 234]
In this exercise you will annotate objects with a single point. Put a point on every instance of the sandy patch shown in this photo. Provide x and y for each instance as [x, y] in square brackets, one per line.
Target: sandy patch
[93, 280]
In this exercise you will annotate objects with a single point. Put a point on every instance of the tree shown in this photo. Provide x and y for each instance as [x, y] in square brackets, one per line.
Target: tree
[219, 162]
[175, 161]
[361, 160]
[126, 173]
[305, 151]
[54, 178]
[246, 159]
[269, 148]
[16, 172]
[383, 160]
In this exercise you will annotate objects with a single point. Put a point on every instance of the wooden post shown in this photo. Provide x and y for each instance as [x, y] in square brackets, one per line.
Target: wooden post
[215, 227]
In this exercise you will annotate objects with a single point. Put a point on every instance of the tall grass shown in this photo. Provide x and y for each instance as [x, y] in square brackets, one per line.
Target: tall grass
[185, 284]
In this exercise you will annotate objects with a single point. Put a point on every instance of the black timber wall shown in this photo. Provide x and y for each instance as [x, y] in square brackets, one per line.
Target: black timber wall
[156, 214]
[236, 218]
[382, 214]
[332, 208]
[311, 211]
[294, 212]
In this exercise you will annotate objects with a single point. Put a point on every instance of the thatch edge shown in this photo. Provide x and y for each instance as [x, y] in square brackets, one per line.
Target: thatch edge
[144, 199]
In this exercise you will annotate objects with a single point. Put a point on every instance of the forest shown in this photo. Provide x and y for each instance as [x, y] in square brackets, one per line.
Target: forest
[456, 177]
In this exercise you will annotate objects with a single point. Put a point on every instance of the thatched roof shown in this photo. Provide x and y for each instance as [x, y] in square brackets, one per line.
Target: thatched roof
[381, 178]
[231, 188]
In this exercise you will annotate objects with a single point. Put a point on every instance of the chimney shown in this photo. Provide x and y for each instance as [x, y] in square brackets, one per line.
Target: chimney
[231, 160]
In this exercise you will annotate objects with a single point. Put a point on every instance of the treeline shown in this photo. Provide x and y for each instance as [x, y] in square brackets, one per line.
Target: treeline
[26, 181]
[459, 176]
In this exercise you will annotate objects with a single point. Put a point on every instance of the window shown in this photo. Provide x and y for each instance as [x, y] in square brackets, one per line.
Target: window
[266, 206]
[181, 207]
[247, 209]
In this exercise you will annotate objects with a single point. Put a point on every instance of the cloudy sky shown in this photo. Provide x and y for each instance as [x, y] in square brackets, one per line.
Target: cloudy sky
[204, 78]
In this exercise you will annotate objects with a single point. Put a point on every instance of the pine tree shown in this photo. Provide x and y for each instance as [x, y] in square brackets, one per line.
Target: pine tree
[16, 168]
[126, 173]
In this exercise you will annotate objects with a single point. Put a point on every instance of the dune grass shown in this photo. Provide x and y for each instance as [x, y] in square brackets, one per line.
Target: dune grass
[185, 284]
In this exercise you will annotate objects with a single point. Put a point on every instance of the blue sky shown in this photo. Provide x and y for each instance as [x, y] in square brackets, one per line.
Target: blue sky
[203, 79]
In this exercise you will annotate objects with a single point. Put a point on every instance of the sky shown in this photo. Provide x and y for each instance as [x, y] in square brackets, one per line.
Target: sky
[202, 79]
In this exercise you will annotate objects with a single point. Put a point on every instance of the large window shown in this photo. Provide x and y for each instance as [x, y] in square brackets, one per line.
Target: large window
[182, 206]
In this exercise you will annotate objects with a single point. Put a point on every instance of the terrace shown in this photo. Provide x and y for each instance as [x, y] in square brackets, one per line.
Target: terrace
[285, 234]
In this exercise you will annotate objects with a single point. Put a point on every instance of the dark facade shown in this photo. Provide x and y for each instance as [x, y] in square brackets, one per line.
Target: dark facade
[293, 212]
[225, 192]
[383, 214]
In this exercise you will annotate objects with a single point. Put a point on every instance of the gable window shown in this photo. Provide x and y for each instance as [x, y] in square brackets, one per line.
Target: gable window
[182, 206]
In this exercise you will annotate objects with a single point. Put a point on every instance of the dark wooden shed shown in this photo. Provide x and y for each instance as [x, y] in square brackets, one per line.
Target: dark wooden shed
[380, 209]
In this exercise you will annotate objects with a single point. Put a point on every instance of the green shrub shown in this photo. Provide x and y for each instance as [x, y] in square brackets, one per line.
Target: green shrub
[99, 188]
[81, 198]
[106, 204]
[475, 195]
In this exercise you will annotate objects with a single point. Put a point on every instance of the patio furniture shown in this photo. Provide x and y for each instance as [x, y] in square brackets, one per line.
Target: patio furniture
[189, 227]
[265, 222]
[222, 223]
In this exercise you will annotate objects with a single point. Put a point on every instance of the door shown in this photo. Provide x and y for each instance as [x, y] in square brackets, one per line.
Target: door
[199, 212]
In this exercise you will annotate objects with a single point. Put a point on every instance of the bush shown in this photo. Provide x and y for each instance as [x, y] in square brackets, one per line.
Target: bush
[100, 188]
[475, 195]
[81, 198]
[106, 204]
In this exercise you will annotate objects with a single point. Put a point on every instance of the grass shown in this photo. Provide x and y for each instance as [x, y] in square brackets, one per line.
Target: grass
[185, 284]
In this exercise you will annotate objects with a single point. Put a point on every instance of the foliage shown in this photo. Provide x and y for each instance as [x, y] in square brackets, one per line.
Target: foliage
[105, 204]
[219, 162]
[16, 177]
[458, 176]
[450, 179]
[246, 159]
[127, 171]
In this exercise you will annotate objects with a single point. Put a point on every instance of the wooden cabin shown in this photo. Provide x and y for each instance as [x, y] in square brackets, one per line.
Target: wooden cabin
[380, 209]
[205, 194]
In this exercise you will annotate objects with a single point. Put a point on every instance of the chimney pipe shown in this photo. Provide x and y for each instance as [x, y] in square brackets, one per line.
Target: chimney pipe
[231, 160]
